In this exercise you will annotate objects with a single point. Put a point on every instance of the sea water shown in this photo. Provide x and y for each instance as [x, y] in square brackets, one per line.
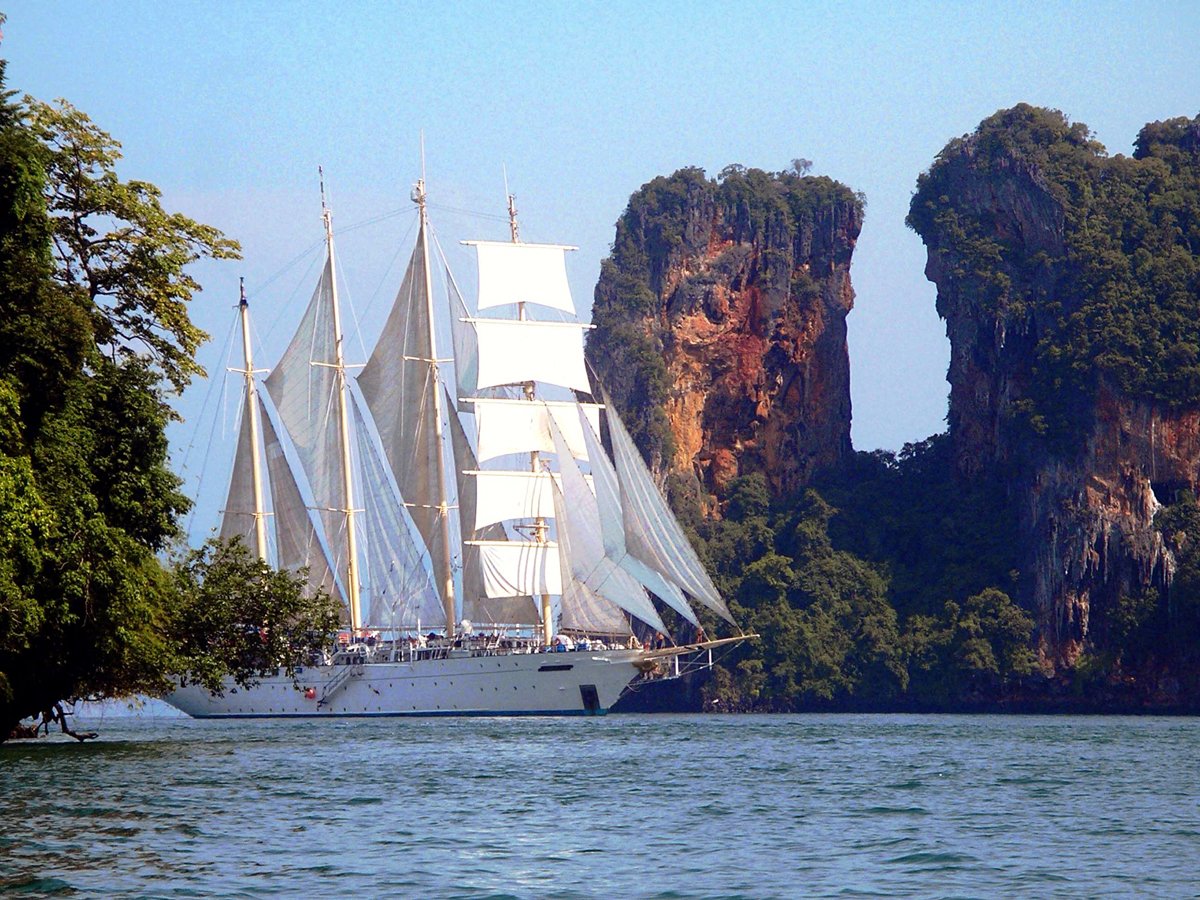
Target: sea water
[622, 806]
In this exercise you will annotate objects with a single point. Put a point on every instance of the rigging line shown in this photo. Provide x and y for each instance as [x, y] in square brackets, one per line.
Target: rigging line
[208, 453]
[467, 212]
[204, 409]
[400, 245]
[349, 298]
[286, 305]
[382, 217]
[320, 242]
[299, 256]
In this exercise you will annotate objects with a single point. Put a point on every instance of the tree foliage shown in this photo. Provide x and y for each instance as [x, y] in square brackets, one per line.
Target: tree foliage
[235, 615]
[114, 242]
[1094, 259]
[94, 335]
[843, 629]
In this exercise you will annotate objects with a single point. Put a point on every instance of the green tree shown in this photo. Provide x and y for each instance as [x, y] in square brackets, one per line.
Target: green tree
[973, 648]
[1096, 267]
[94, 336]
[114, 242]
[235, 615]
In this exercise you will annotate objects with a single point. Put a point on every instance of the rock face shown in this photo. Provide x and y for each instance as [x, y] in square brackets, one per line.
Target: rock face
[1062, 377]
[720, 324]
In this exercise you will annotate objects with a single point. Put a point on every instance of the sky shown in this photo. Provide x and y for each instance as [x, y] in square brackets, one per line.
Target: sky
[230, 107]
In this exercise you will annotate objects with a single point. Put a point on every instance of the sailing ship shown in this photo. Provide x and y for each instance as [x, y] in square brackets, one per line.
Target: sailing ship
[535, 575]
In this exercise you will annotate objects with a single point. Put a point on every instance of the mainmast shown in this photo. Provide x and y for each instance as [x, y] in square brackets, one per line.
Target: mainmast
[339, 365]
[260, 515]
[539, 524]
[445, 576]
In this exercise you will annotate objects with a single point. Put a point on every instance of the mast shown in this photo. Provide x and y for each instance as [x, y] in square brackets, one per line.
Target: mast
[445, 576]
[260, 516]
[539, 524]
[352, 586]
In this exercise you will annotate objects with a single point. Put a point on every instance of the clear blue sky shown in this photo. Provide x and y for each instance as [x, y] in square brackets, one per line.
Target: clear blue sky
[229, 108]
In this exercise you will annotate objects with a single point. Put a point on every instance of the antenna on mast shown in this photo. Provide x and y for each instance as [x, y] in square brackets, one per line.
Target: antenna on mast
[326, 215]
[417, 194]
[513, 229]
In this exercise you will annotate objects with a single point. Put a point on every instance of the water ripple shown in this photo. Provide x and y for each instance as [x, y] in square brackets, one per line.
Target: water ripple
[649, 807]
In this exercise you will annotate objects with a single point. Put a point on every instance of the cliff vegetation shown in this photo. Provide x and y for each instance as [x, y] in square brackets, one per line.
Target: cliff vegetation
[720, 323]
[1041, 554]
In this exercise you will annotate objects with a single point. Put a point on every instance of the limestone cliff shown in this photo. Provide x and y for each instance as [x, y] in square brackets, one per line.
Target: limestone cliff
[720, 324]
[1070, 286]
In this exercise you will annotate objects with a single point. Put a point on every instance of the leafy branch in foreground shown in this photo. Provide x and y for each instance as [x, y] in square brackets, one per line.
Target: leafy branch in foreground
[114, 241]
[237, 616]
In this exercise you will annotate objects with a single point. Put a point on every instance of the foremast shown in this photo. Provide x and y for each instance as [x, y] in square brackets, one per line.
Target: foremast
[251, 413]
[339, 366]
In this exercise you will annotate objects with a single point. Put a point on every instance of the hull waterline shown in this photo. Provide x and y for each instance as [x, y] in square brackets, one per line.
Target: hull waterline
[579, 683]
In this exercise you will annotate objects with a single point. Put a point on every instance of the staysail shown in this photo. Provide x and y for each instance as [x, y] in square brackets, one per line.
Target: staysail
[402, 594]
[585, 560]
[612, 529]
[303, 387]
[297, 542]
[652, 532]
[400, 386]
[308, 388]
[237, 518]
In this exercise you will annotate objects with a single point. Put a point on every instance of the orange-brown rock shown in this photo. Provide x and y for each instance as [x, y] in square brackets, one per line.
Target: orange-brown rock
[721, 330]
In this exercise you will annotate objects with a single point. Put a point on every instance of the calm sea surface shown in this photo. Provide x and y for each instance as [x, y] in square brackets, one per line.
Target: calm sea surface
[625, 806]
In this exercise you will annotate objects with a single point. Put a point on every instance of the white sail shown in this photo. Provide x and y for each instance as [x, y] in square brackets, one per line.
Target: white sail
[303, 387]
[523, 273]
[519, 567]
[297, 542]
[399, 388]
[506, 495]
[585, 559]
[652, 533]
[612, 531]
[517, 426]
[237, 518]
[475, 606]
[515, 351]
[402, 593]
[582, 609]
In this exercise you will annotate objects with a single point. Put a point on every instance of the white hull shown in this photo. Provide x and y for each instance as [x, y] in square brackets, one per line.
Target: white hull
[576, 683]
